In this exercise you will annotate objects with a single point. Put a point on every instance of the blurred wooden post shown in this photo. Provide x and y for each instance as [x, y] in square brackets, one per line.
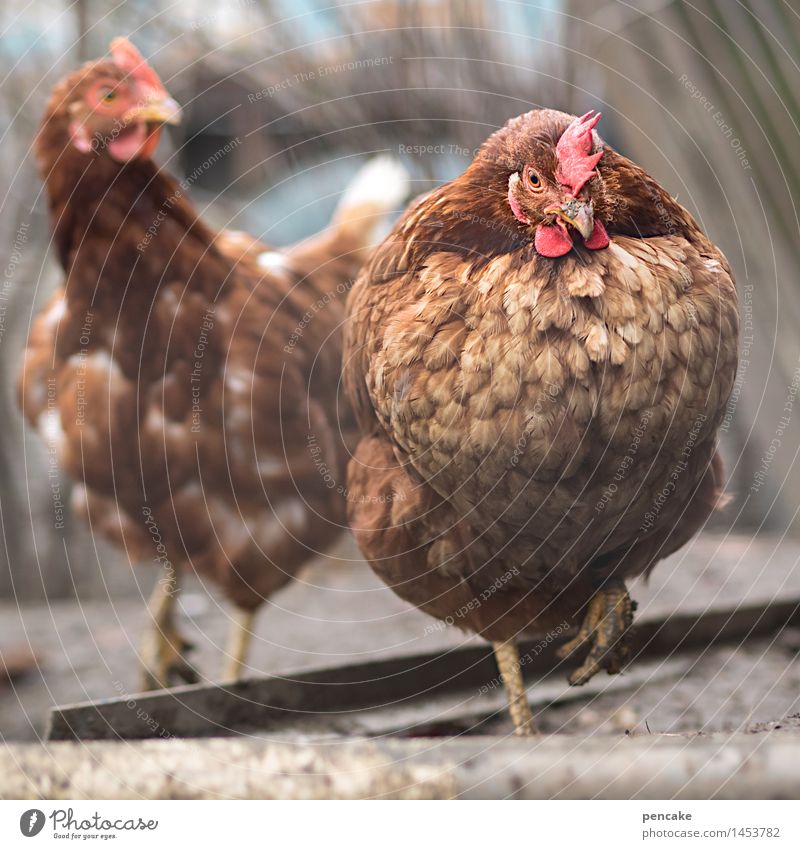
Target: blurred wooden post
[82, 19]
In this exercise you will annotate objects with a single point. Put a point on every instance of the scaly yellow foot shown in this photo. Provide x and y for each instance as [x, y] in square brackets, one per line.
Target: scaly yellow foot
[604, 630]
[241, 635]
[507, 656]
[163, 649]
[163, 658]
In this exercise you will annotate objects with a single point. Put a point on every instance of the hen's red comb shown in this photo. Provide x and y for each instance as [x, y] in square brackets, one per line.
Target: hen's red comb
[576, 162]
[128, 59]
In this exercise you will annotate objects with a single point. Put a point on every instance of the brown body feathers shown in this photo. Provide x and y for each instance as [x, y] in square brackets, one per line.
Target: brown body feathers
[182, 374]
[531, 426]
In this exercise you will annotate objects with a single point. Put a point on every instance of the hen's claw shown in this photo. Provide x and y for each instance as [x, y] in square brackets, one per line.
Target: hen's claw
[163, 650]
[163, 658]
[605, 631]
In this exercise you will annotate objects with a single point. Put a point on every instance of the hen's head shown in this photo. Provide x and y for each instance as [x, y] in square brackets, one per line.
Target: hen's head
[114, 106]
[558, 179]
[551, 187]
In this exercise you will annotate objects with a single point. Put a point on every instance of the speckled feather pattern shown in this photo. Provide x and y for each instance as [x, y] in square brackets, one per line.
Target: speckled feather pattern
[521, 416]
[173, 373]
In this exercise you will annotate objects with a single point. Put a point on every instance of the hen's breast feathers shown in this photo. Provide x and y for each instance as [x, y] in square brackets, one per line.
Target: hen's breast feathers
[492, 375]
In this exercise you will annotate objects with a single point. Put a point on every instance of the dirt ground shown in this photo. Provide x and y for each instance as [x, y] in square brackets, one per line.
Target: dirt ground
[341, 613]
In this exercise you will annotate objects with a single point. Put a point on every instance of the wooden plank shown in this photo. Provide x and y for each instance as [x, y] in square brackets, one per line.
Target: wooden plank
[268, 705]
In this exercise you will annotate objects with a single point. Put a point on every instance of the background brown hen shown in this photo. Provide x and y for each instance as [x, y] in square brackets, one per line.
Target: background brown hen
[539, 405]
[187, 378]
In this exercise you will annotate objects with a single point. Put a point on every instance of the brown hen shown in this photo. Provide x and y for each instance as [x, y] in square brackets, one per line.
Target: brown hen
[188, 379]
[539, 356]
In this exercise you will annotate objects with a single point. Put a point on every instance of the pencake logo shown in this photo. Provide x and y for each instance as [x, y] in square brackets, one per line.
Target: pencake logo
[31, 822]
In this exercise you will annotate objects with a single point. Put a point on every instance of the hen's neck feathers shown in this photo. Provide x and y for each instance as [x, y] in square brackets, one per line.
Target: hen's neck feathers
[91, 197]
[470, 217]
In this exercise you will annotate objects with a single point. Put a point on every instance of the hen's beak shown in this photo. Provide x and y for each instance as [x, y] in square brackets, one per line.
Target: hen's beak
[161, 109]
[576, 213]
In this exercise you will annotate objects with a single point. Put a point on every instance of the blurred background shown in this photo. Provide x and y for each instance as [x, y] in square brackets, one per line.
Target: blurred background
[283, 100]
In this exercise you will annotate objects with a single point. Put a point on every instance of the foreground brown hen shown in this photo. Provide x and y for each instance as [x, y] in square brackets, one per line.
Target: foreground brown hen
[186, 378]
[539, 356]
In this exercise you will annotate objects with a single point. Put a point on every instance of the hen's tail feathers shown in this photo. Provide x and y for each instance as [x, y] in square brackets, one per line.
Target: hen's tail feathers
[361, 218]
[378, 189]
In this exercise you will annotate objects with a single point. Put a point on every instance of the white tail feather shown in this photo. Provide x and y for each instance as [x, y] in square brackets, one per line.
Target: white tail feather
[379, 188]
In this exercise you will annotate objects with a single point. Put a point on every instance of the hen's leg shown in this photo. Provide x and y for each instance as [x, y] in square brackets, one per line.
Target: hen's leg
[239, 639]
[507, 656]
[604, 630]
[163, 648]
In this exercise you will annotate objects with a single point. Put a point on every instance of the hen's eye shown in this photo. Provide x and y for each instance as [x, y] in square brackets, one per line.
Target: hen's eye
[109, 96]
[533, 180]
